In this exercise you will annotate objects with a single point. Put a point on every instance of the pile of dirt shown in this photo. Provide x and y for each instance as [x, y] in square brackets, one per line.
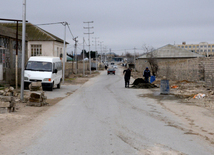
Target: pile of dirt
[141, 83]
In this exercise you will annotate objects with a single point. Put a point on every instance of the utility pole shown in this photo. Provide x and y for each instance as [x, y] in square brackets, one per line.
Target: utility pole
[89, 41]
[95, 38]
[64, 56]
[23, 47]
[75, 51]
[101, 50]
[134, 57]
[83, 56]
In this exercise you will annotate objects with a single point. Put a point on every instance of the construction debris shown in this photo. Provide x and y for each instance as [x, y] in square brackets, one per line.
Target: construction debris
[35, 86]
[8, 104]
[141, 83]
[37, 99]
[199, 96]
[8, 100]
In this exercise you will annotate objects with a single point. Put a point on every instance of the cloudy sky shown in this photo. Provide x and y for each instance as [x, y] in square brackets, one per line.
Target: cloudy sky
[121, 25]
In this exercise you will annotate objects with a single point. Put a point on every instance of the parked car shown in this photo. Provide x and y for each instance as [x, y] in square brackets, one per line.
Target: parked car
[47, 70]
[111, 71]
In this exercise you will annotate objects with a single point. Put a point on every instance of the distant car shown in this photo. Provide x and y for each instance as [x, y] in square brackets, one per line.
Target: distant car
[111, 71]
[115, 66]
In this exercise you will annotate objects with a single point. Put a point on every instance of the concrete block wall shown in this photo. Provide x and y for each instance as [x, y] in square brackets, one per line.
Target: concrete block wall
[209, 73]
[192, 69]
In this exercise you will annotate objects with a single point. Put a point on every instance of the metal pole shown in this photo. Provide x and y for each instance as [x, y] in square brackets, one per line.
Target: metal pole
[23, 47]
[17, 55]
[83, 57]
[64, 56]
[89, 42]
[75, 51]
[89, 48]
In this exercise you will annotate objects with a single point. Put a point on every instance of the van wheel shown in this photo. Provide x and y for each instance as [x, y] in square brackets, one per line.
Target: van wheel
[58, 85]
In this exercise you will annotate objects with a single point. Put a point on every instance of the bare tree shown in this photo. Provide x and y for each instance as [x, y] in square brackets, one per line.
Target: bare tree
[151, 57]
[130, 57]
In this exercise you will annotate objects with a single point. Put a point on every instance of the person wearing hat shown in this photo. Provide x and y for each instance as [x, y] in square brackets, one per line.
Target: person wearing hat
[146, 74]
[127, 74]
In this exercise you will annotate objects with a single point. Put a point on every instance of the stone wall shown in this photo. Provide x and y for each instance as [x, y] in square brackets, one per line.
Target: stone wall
[209, 72]
[191, 69]
[70, 68]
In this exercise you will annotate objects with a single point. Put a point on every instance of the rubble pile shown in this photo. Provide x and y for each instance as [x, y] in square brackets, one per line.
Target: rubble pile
[193, 92]
[8, 100]
[35, 86]
[37, 99]
[141, 83]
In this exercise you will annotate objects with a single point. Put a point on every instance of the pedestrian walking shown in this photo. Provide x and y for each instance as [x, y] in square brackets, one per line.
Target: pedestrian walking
[146, 74]
[127, 75]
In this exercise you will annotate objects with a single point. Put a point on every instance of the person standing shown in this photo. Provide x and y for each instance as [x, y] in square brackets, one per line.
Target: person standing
[146, 74]
[127, 75]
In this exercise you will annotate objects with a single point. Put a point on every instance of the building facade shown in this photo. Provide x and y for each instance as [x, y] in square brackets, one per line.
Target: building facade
[203, 48]
[40, 42]
[8, 55]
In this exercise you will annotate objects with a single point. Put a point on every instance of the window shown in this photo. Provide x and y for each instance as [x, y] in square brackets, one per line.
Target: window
[36, 50]
[185, 46]
[197, 46]
[212, 50]
[189, 46]
[201, 46]
[182, 46]
[208, 45]
[212, 45]
[193, 46]
[205, 45]
[57, 51]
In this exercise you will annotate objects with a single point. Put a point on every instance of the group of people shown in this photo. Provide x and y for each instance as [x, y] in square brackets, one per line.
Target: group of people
[127, 75]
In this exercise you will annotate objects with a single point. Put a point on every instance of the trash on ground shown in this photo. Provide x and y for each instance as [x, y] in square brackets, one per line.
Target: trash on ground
[174, 87]
[199, 96]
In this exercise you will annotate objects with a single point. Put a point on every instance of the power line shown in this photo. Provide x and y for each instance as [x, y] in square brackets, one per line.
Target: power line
[71, 32]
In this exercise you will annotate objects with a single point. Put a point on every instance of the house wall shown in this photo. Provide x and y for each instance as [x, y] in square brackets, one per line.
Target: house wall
[49, 48]
[8, 55]
[192, 69]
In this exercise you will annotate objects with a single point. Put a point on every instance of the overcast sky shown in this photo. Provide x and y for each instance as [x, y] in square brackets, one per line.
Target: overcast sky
[121, 24]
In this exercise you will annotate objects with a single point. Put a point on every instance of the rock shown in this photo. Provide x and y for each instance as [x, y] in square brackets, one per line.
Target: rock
[1, 92]
[12, 106]
[34, 86]
[11, 89]
[37, 99]
[3, 110]
[6, 90]
[5, 98]
[4, 104]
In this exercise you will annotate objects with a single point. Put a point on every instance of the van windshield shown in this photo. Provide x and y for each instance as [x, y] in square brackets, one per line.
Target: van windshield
[39, 66]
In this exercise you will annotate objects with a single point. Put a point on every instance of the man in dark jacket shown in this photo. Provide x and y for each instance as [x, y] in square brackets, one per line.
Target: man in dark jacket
[146, 74]
[127, 75]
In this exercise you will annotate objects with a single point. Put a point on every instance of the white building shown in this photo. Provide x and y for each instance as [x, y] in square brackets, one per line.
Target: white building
[41, 42]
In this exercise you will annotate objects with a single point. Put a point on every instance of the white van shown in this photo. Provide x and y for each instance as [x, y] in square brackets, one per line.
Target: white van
[47, 70]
